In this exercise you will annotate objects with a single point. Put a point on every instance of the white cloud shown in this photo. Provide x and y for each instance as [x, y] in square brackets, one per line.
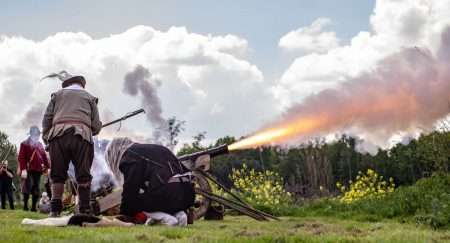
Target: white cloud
[204, 78]
[395, 25]
[230, 44]
[311, 38]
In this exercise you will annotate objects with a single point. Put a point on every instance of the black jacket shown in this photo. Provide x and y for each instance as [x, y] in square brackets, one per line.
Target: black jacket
[5, 179]
[146, 169]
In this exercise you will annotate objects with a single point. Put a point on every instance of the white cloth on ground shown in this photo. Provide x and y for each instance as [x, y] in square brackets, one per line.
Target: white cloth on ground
[182, 218]
[64, 221]
[61, 221]
[179, 219]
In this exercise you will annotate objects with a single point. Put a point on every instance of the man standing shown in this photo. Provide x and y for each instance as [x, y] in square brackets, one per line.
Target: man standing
[32, 163]
[6, 187]
[70, 121]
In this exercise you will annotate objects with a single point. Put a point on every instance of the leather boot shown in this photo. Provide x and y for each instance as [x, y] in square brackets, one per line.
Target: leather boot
[26, 196]
[190, 215]
[34, 200]
[56, 202]
[56, 208]
[3, 199]
[84, 196]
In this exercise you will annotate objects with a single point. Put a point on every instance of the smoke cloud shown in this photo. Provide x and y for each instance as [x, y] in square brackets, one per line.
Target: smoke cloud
[33, 116]
[407, 91]
[140, 81]
[102, 176]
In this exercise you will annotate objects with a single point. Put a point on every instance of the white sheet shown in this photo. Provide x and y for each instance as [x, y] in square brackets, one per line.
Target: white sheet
[179, 219]
[61, 221]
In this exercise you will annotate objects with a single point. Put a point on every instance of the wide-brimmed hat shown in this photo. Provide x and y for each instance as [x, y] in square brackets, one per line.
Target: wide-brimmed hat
[67, 78]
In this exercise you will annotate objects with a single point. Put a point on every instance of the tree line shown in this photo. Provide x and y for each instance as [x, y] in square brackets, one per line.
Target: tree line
[313, 168]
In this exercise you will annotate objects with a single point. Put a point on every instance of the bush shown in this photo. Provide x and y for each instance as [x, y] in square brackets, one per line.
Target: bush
[426, 202]
[262, 189]
[367, 186]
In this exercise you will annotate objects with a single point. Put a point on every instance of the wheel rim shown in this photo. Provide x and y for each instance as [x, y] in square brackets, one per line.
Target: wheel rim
[202, 203]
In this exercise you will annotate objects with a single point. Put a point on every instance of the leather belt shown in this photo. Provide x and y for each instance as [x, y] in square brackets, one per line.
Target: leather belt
[186, 177]
[179, 179]
[71, 122]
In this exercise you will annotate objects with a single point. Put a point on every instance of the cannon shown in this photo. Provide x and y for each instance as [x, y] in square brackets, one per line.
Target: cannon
[199, 167]
[204, 195]
[191, 162]
[203, 190]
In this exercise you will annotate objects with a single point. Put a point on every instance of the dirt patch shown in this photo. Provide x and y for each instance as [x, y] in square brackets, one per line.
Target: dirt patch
[312, 226]
[30, 231]
[354, 231]
[445, 237]
[245, 233]
[376, 227]
[316, 225]
[198, 239]
[317, 232]
[315, 228]
[297, 226]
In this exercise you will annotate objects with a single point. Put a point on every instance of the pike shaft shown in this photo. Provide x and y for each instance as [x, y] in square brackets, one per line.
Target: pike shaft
[131, 114]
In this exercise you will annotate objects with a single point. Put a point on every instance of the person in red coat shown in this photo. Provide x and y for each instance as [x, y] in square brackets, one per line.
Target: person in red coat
[33, 162]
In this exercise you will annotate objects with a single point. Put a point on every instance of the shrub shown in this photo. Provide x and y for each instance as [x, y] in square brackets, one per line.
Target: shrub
[366, 186]
[426, 202]
[262, 189]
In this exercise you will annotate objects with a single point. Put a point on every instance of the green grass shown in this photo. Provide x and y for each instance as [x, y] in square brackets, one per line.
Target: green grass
[232, 229]
[427, 202]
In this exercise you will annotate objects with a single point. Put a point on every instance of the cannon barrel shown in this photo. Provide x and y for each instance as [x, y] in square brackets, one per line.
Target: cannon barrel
[213, 152]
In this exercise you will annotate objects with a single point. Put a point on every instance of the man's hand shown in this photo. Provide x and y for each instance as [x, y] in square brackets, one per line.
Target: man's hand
[24, 174]
[9, 174]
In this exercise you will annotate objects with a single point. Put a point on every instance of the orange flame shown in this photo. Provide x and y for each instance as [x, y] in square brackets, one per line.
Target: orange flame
[280, 133]
[407, 90]
[324, 121]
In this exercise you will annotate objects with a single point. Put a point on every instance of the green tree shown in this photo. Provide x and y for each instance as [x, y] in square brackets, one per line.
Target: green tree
[175, 128]
[433, 150]
[8, 151]
[195, 146]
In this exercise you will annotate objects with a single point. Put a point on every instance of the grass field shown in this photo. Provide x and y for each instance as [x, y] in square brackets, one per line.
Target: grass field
[232, 229]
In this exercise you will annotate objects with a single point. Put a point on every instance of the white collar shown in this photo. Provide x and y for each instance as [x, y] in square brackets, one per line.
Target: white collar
[74, 86]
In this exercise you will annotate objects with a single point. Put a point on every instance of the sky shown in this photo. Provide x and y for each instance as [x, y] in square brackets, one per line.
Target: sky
[260, 22]
[227, 68]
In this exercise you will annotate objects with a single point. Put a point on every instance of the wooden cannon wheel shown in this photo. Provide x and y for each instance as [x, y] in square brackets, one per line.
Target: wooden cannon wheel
[201, 203]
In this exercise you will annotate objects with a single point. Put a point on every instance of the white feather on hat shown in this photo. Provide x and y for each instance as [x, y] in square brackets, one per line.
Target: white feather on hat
[63, 76]
[67, 78]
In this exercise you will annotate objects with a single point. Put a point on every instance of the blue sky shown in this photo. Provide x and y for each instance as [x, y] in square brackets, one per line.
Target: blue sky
[262, 23]
[225, 67]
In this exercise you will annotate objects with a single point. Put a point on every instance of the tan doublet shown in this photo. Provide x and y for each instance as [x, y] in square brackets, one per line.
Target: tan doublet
[71, 108]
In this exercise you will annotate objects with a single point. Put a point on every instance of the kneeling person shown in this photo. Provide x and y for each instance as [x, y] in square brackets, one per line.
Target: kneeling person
[153, 179]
